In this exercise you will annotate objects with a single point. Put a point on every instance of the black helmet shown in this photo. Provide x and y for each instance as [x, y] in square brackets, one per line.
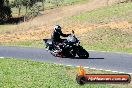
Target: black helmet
[57, 28]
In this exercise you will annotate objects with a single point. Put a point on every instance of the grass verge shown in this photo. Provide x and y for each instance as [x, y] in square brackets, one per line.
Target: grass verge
[107, 39]
[103, 39]
[106, 14]
[30, 74]
[31, 43]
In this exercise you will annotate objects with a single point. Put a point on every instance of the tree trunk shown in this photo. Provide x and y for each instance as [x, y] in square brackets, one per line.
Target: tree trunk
[26, 9]
[43, 1]
[19, 10]
[107, 2]
[7, 2]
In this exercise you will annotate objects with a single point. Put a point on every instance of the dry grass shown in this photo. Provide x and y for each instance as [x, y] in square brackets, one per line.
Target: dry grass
[45, 31]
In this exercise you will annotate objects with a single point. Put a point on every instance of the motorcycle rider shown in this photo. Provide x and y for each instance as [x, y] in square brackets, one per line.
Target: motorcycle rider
[56, 40]
[56, 35]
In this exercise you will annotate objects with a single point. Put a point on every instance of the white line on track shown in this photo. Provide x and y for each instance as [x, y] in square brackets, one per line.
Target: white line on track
[68, 65]
[107, 70]
[122, 72]
[86, 67]
[102, 70]
[77, 66]
[92, 68]
[114, 71]
[1, 57]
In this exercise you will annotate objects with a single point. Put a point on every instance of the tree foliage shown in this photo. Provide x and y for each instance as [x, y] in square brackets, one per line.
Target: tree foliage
[28, 4]
[56, 2]
[5, 11]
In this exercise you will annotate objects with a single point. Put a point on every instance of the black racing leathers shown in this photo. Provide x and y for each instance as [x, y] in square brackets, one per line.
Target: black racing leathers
[56, 37]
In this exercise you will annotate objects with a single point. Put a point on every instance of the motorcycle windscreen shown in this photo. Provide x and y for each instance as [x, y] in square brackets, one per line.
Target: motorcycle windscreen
[71, 38]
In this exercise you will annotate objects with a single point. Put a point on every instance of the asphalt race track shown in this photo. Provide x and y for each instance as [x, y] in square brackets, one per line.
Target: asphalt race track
[121, 62]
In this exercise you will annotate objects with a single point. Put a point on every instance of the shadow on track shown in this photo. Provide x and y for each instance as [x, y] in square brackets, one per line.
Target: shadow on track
[86, 58]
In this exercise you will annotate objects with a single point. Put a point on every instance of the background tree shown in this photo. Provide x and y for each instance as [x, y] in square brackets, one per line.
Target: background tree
[43, 2]
[5, 11]
[107, 2]
[18, 4]
[7, 2]
[56, 2]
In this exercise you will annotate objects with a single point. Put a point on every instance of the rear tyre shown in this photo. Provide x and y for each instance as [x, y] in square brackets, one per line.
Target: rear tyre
[68, 54]
[82, 53]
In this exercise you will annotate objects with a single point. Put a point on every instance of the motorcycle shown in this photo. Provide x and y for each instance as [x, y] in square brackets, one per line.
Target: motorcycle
[69, 47]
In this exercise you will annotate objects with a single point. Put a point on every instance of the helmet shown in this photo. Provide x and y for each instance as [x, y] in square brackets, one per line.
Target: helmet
[57, 28]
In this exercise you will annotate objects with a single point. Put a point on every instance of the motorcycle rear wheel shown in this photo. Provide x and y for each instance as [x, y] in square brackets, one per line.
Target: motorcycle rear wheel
[82, 53]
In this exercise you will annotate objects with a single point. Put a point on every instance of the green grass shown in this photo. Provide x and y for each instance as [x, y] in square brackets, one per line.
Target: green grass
[29, 43]
[30, 74]
[106, 14]
[107, 39]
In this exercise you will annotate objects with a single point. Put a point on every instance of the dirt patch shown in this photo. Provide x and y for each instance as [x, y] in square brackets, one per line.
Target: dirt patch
[35, 34]
[123, 25]
[45, 31]
[24, 36]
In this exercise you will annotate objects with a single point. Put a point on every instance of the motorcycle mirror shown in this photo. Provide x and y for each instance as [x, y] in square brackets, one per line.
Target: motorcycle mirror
[72, 32]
